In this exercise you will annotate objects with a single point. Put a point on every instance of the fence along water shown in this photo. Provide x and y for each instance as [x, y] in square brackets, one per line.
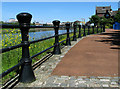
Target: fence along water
[26, 74]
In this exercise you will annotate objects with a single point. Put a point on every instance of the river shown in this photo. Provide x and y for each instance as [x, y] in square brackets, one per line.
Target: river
[41, 34]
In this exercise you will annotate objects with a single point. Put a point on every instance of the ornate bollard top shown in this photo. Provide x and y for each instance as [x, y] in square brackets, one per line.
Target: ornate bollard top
[56, 23]
[24, 19]
[67, 25]
[75, 23]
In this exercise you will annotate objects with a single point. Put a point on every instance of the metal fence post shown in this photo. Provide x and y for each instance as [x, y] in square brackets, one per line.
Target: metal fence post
[93, 30]
[97, 28]
[103, 28]
[79, 35]
[75, 28]
[84, 30]
[26, 73]
[68, 38]
[88, 30]
[57, 47]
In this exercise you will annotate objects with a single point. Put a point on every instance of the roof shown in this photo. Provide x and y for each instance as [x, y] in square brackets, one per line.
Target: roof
[102, 9]
[77, 21]
[113, 13]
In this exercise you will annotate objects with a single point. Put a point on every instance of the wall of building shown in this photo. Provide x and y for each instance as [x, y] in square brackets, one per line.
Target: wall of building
[119, 4]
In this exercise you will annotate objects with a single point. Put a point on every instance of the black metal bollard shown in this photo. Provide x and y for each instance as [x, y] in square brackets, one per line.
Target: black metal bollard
[84, 30]
[68, 38]
[100, 28]
[57, 47]
[93, 30]
[88, 30]
[26, 73]
[79, 35]
[97, 28]
[103, 28]
[74, 36]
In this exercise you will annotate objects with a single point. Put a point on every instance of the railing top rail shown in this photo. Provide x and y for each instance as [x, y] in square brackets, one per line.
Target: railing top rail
[31, 26]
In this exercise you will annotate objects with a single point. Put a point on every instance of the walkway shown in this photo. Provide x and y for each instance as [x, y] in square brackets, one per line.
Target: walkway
[90, 62]
[91, 56]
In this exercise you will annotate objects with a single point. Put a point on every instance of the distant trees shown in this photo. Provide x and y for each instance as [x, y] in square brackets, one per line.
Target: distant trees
[117, 17]
[102, 20]
[1, 22]
[95, 19]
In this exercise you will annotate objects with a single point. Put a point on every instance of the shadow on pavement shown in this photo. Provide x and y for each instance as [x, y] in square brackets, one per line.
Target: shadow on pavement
[112, 38]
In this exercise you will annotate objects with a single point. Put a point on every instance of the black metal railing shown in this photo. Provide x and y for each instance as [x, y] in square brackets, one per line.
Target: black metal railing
[26, 73]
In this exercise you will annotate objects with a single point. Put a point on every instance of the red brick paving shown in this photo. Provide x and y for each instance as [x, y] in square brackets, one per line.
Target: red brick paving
[89, 57]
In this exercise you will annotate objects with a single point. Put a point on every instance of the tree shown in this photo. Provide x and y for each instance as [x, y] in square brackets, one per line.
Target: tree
[95, 19]
[107, 21]
[103, 20]
[117, 17]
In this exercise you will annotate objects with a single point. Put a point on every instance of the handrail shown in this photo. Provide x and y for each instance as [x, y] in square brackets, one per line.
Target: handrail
[11, 48]
[10, 69]
[42, 51]
[31, 26]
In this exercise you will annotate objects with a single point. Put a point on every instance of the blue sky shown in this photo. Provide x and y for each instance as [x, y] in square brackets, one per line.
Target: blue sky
[48, 11]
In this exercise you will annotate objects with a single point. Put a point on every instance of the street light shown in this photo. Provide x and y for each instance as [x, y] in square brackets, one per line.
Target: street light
[107, 14]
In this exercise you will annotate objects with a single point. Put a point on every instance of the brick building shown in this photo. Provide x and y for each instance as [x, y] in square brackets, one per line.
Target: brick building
[102, 10]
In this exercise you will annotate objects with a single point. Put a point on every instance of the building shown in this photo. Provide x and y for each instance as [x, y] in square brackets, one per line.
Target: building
[78, 22]
[113, 13]
[12, 20]
[49, 24]
[101, 10]
[71, 23]
[119, 5]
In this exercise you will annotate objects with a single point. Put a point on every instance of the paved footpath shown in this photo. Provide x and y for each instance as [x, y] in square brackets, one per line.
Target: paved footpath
[90, 62]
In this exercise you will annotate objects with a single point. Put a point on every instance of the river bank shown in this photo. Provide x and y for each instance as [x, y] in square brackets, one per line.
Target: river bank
[4, 31]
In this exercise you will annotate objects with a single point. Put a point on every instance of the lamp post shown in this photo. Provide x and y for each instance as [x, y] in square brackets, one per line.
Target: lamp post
[107, 14]
[101, 24]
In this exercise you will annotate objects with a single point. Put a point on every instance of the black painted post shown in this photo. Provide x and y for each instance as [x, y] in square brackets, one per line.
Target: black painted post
[93, 30]
[88, 30]
[103, 28]
[57, 50]
[84, 30]
[75, 28]
[26, 73]
[68, 43]
[79, 35]
[97, 28]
